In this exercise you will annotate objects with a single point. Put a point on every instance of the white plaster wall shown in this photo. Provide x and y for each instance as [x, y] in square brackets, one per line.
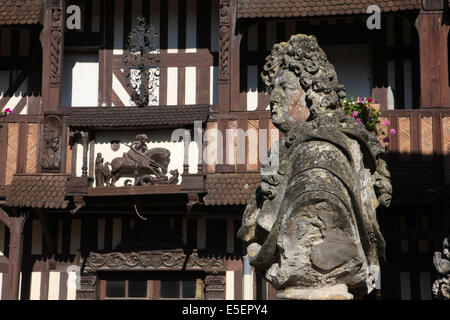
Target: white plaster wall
[252, 88]
[190, 85]
[80, 80]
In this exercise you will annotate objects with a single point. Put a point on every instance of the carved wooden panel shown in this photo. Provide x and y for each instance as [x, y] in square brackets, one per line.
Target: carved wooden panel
[32, 145]
[150, 261]
[12, 153]
[224, 40]
[88, 287]
[215, 286]
[55, 46]
[51, 151]
[426, 143]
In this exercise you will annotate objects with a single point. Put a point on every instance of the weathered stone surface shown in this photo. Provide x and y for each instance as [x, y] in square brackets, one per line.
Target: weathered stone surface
[311, 226]
[338, 292]
[441, 287]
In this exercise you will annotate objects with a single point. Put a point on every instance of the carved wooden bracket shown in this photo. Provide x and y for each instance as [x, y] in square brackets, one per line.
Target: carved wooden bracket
[87, 289]
[215, 286]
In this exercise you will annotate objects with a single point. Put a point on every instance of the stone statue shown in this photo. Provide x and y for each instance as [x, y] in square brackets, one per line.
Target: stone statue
[441, 287]
[311, 227]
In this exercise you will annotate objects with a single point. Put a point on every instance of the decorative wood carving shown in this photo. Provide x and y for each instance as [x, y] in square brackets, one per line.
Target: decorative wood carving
[51, 150]
[55, 46]
[148, 167]
[87, 289]
[150, 260]
[102, 172]
[142, 64]
[215, 286]
[224, 40]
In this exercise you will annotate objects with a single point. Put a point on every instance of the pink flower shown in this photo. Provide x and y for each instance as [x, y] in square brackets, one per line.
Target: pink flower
[360, 100]
[359, 120]
[386, 123]
[370, 99]
[392, 131]
[355, 113]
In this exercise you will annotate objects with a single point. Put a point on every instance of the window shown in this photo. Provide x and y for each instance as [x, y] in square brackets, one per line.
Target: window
[178, 289]
[132, 289]
[151, 285]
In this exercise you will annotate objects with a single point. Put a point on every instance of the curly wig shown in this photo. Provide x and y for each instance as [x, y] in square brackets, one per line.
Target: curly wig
[317, 76]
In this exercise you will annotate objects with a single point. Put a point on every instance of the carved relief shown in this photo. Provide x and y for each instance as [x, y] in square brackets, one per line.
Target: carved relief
[148, 260]
[55, 45]
[215, 286]
[51, 150]
[224, 40]
[87, 288]
[115, 145]
[102, 172]
[148, 167]
[142, 64]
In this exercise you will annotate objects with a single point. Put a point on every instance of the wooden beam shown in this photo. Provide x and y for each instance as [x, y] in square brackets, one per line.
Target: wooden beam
[5, 218]
[125, 191]
[15, 255]
[434, 81]
[47, 236]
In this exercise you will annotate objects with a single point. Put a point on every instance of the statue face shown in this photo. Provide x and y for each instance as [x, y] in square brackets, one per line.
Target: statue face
[287, 101]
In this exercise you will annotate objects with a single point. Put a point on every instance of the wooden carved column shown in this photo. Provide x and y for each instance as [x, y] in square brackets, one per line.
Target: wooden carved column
[52, 40]
[17, 223]
[215, 285]
[433, 37]
[88, 287]
[84, 141]
[225, 35]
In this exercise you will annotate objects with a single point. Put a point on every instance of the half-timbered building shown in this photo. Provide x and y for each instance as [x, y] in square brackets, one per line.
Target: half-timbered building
[83, 217]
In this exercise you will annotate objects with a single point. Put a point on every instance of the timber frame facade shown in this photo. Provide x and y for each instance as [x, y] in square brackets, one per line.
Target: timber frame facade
[74, 112]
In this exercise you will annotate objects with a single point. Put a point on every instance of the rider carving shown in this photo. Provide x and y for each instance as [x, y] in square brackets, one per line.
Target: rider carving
[136, 148]
[148, 167]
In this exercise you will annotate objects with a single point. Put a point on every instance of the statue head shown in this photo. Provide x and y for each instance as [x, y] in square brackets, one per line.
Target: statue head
[301, 81]
[142, 138]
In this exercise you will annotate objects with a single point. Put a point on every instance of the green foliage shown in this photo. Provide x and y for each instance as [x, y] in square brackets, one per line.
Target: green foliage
[362, 111]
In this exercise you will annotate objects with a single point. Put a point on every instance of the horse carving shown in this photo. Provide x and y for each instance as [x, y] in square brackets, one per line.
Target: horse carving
[148, 167]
